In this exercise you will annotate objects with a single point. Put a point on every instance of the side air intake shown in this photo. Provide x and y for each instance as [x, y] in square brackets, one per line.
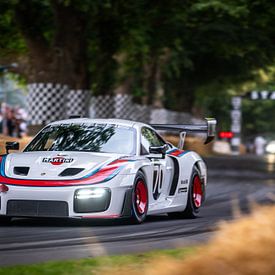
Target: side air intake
[21, 170]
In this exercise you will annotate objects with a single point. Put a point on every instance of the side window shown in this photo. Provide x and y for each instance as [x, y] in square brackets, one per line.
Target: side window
[149, 138]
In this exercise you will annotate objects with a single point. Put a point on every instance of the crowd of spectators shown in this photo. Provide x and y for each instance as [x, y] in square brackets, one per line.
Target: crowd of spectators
[13, 121]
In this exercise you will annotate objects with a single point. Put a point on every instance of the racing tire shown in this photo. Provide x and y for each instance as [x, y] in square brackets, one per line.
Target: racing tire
[194, 199]
[4, 220]
[139, 202]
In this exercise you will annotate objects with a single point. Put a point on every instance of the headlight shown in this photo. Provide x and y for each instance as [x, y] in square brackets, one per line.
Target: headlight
[89, 200]
[83, 194]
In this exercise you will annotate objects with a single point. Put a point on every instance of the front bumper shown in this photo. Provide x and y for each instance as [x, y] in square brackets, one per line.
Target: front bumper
[26, 201]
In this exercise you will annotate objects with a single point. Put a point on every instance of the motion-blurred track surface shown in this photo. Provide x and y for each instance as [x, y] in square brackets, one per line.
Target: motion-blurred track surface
[233, 182]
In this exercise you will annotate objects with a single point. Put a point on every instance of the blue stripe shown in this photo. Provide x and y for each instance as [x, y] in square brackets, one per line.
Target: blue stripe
[97, 170]
[102, 166]
[2, 168]
[93, 172]
[114, 173]
[183, 153]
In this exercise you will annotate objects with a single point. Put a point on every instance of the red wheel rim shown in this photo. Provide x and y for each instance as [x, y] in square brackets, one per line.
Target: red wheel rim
[197, 191]
[141, 197]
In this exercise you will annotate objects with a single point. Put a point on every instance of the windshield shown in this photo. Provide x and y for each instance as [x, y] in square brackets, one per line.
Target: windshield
[102, 138]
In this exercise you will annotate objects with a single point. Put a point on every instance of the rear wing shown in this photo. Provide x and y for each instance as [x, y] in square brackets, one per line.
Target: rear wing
[209, 128]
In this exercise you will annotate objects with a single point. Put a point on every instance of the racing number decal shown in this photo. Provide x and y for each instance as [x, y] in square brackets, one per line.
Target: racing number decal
[157, 181]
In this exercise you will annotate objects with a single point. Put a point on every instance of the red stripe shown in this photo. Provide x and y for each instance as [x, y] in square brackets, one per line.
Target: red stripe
[118, 161]
[176, 153]
[114, 216]
[100, 176]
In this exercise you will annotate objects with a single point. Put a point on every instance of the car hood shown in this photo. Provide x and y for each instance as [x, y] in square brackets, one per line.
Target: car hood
[55, 165]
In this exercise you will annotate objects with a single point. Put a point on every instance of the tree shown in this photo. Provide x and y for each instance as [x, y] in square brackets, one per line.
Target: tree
[165, 53]
[196, 44]
[52, 35]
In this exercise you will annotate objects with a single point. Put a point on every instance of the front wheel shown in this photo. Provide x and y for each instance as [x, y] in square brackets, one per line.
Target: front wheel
[194, 198]
[139, 199]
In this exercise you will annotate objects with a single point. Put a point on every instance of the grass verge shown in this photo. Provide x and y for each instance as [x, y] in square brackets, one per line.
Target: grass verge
[99, 265]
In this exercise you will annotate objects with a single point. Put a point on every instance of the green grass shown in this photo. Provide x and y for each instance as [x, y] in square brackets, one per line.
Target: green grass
[93, 265]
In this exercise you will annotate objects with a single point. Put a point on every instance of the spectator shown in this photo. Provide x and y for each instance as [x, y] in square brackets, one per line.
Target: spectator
[259, 145]
[11, 122]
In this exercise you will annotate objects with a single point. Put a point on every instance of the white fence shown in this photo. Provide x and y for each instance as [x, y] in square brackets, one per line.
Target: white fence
[123, 106]
[48, 102]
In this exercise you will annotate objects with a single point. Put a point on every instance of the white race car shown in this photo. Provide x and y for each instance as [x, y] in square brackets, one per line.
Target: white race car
[103, 168]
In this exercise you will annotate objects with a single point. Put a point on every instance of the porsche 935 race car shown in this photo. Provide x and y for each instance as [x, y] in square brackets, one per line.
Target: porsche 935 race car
[103, 168]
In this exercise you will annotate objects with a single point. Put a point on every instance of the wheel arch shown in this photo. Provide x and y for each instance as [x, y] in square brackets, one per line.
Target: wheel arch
[192, 168]
[188, 162]
[126, 207]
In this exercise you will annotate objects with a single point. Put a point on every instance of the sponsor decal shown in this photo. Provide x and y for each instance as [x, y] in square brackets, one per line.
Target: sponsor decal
[184, 182]
[182, 190]
[57, 160]
[157, 181]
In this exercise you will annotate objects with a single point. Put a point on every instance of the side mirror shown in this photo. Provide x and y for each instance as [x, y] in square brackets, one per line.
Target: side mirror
[158, 150]
[12, 145]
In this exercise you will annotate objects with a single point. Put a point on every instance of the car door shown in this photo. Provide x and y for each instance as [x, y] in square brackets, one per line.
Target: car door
[162, 168]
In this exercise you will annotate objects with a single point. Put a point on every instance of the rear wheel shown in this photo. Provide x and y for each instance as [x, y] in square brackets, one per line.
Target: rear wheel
[139, 199]
[194, 199]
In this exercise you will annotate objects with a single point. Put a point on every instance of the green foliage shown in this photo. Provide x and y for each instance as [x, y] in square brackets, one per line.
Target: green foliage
[257, 117]
[218, 106]
[97, 265]
[11, 42]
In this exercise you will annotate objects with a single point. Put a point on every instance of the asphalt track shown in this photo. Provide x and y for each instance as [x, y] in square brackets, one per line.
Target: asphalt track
[233, 181]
